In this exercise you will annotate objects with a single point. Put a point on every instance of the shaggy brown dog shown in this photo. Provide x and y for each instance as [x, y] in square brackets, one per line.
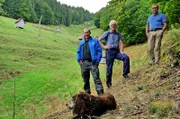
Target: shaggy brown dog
[86, 104]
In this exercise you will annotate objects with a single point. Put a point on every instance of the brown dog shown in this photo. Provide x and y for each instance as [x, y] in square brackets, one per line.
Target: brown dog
[86, 104]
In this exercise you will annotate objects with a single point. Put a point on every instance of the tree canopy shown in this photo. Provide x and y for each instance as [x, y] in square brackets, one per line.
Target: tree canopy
[131, 16]
[52, 12]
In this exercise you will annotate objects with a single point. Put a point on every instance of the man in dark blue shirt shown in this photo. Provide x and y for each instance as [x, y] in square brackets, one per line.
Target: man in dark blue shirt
[156, 25]
[114, 50]
[89, 55]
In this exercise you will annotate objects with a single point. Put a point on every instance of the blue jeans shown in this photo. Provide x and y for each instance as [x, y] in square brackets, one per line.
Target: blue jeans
[112, 54]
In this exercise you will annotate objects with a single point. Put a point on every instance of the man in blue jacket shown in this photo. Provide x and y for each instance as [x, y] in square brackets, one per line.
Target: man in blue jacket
[89, 55]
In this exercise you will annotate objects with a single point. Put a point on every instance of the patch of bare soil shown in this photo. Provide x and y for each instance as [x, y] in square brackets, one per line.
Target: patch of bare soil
[8, 74]
[158, 83]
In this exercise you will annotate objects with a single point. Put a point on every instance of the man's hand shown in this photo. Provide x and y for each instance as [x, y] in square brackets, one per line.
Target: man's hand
[106, 47]
[97, 63]
[122, 52]
[147, 34]
[80, 62]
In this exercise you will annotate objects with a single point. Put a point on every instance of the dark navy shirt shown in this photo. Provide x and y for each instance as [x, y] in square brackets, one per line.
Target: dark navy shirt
[156, 21]
[112, 39]
[86, 53]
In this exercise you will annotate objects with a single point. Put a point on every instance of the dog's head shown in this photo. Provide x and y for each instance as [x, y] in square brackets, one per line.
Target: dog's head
[80, 104]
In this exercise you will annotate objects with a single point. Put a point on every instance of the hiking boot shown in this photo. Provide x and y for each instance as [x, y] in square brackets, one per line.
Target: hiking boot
[125, 76]
[109, 85]
[88, 91]
[100, 92]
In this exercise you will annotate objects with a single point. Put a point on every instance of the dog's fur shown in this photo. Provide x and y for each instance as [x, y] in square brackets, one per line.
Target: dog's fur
[86, 104]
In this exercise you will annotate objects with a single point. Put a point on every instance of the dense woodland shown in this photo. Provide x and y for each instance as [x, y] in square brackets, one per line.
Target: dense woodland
[131, 16]
[52, 12]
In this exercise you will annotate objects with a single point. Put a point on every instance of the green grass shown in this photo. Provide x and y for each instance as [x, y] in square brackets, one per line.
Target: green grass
[138, 88]
[46, 73]
[46, 66]
[162, 109]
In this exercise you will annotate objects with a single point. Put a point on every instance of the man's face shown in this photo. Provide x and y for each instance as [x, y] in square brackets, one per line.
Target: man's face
[154, 9]
[113, 26]
[86, 33]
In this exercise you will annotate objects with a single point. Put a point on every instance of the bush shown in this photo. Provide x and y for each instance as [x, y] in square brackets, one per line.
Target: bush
[171, 46]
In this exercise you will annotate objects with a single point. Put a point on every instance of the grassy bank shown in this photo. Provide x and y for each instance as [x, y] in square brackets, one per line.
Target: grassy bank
[40, 64]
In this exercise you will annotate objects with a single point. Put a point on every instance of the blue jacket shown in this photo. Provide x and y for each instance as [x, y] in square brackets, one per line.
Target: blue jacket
[95, 50]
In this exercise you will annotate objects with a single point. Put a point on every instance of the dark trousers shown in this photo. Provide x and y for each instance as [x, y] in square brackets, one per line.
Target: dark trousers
[112, 54]
[86, 67]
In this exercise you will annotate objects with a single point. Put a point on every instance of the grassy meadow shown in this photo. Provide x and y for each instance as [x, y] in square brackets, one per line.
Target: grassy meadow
[36, 66]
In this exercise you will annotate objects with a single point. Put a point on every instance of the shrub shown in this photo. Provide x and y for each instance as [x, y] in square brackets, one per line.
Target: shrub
[171, 46]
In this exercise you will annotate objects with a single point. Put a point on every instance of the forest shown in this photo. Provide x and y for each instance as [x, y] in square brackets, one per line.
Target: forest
[131, 17]
[52, 12]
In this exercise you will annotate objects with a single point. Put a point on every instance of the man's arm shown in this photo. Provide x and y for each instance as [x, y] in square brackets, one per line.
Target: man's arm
[100, 39]
[98, 52]
[78, 55]
[102, 45]
[147, 29]
[164, 26]
[164, 21]
[121, 45]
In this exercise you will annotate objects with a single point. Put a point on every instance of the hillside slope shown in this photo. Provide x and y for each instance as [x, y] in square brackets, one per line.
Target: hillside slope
[151, 92]
[37, 67]
[38, 75]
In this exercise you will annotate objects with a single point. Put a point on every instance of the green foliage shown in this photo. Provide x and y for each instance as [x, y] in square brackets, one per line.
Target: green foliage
[1, 10]
[52, 12]
[131, 16]
[8, 7]
[171, 46]
[47, 14]
[172, 10]
[97, 17]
